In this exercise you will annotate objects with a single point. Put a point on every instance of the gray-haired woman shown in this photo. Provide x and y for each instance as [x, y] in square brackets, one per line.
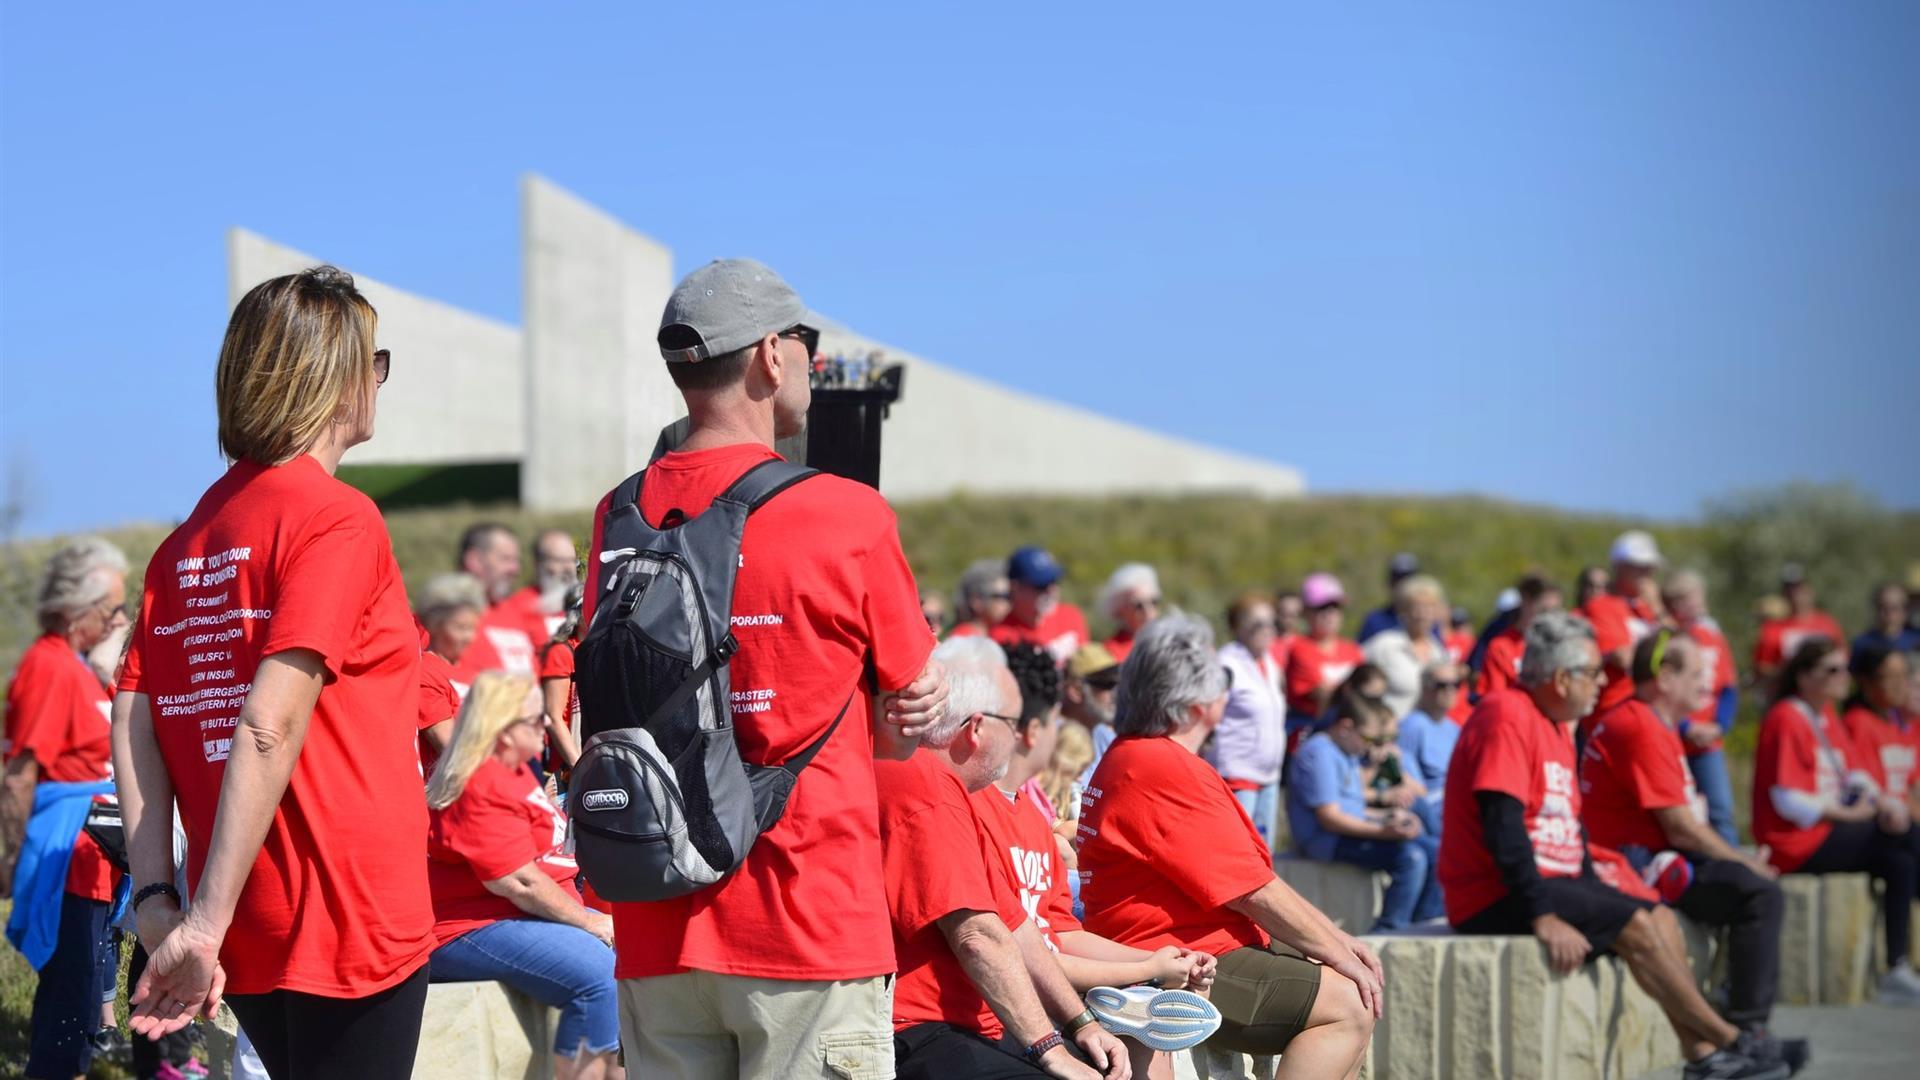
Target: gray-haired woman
[982, 598]
[58, 752]
[1168, 857]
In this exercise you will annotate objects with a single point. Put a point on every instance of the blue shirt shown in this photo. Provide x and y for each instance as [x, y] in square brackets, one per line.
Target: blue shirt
[1320, 773]
[1907, 640]
[1426, 746]
[1378, 621]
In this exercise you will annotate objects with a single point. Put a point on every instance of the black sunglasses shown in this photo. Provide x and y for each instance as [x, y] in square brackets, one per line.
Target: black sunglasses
[382, 364]
[805, 335]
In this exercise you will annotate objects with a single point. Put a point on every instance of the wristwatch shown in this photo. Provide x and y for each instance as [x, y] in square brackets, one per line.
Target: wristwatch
[1040, 1047]
[1074, 1026]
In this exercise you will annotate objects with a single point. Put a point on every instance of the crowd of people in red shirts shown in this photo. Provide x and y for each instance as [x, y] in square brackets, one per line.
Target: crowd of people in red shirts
[1011, 849]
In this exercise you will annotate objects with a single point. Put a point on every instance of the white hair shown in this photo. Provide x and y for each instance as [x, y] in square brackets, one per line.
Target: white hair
[974, 582]
[1123, 582]
[1172, 666]
[445, 594]
[973, 665]
[78, 577]
[1556, 642]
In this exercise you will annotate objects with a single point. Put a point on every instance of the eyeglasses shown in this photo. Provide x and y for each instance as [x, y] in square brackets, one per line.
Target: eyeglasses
[1450, 685]
[1589, 673]
[1146, 602]
[1012, 722]
[382, 365]
[1003, 597]
[805, 335]
[1262, 624]
[1831, 669]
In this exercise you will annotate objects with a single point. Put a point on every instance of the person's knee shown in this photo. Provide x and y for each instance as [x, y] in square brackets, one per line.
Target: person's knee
[1411, 860]
[1637, 936]
[1338, 1002]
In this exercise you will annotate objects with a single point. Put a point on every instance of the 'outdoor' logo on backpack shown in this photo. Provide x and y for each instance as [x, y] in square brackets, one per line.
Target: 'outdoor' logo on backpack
[604, 799]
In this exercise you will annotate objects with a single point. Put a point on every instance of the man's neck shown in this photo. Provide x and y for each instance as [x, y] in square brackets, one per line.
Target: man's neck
[1668, 715]
[713, 428]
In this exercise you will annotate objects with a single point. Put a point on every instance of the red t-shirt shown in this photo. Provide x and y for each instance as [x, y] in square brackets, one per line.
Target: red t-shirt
[1459, 646]
[437, 702]
[1019, 835]
[823, 589]
[1163, 847]
[1780, 637]
[1891, 747]
[1312, 664]
[1717, 655]
[1061, 632]
[1792, 755]
[58, 712]
[1119, 645]
[274, 559]
[1500, 667]
[502, 821]
[510, 635]
[1619, 622]
[1511, 747]
[1281, 648]
[556, 662]
[1633, 765]
[939, 859]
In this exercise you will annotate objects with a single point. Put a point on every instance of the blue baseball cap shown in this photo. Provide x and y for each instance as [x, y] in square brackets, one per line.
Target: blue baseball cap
[1034, 566]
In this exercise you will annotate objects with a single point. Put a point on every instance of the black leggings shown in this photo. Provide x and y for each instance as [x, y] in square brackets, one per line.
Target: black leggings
[309, 1037]
[1854, 846]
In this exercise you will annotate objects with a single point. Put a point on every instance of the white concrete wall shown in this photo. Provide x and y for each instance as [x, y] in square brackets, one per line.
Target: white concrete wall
[579, 398]
[596, 389]
[454, 394]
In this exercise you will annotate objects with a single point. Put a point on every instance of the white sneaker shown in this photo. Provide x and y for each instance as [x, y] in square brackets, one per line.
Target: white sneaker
[1901, 986]
[1162, 1019]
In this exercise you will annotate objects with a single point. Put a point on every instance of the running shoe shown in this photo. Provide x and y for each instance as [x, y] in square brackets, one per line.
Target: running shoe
[1727, 1065]
[1161, 1019]
[1901, 986]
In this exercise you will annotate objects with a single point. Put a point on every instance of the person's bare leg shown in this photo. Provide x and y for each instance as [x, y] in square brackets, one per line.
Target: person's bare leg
[587, 1065]
[1663, 972]
[1336, 1036]
[1148, 1062]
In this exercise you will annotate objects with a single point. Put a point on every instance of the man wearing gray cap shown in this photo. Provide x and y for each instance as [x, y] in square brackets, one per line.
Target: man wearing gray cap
[783, 968]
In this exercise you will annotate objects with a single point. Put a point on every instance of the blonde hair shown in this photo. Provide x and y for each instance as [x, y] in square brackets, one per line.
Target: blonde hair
[495, 703]
[1072, 753]
[1415, 586]
[298, 349]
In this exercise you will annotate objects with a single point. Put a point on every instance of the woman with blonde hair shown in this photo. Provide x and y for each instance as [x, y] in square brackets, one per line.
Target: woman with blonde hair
[502, 876]
[1072, 753]
[1415, 645]
[260, 694]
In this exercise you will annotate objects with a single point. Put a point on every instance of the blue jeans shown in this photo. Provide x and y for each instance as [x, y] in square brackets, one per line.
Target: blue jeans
[83, 969]
[1413, 887]
[1262, 804]
[557, 965]
[1710, 776]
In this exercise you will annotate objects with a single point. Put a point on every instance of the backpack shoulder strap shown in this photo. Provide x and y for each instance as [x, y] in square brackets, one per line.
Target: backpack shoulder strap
[628, 493]
[764, 481]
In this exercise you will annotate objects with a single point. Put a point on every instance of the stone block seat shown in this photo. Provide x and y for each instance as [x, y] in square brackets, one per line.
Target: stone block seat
[470, 1031]
[1831, 946]
[1347, 894]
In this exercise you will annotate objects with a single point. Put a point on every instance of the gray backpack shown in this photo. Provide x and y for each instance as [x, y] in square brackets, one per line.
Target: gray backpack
[660, 801]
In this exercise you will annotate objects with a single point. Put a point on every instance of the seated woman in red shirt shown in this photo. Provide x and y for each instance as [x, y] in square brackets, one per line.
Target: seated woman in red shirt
[504, 903]
[1883, 720]
[1818, 809]
[1147, 883]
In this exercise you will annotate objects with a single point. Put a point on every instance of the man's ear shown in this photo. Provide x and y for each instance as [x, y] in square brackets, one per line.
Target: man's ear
[766, 357]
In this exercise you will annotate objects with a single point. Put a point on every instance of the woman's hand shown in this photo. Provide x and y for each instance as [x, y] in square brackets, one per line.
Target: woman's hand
[183, 980]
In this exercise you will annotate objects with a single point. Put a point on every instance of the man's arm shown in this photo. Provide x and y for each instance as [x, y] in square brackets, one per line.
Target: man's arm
[1340, 823]
[910, 710]
[1685, 833]
[1063, 1003]
[991, 957]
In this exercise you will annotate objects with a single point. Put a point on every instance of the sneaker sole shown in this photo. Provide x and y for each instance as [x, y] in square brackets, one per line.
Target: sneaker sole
[1173, 1020]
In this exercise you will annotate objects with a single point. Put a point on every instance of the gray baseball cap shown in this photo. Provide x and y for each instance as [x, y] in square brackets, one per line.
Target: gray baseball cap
[726, 305]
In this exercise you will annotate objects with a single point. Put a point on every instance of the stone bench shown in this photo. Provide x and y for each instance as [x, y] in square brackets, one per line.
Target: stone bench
[470, 1031]
[1347, 894]
[1830, 942]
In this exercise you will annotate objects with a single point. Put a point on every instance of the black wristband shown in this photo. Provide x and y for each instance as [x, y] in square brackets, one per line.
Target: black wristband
[1040, 1047]
[1085, 1020]
[156, 889]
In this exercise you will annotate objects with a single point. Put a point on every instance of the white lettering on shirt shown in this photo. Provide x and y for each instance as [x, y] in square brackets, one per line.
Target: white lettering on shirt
[751, 701]
[1555, 830]
[759, 620]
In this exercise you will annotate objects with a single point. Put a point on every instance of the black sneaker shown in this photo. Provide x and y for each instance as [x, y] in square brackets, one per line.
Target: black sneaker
[1796, 1053]
[1727, 1065]
[1758, 1045]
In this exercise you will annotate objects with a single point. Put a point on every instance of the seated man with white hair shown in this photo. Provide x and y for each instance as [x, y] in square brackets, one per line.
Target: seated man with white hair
[1514, 858]
[1131, 598]
[972, 966]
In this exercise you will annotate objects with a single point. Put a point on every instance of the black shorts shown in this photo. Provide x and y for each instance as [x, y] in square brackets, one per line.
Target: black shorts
[1598, 911]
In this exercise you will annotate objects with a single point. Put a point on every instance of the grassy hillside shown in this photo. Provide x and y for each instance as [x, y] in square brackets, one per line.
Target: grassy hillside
[1210, 547]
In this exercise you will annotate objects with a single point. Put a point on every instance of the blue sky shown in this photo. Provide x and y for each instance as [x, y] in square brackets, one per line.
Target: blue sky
[1626, 257]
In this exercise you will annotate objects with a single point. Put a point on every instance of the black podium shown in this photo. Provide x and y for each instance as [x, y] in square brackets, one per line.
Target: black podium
[843, 428]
